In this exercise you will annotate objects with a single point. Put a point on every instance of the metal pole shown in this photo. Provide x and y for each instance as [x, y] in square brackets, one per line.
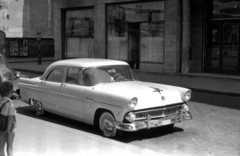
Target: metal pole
[39, 53]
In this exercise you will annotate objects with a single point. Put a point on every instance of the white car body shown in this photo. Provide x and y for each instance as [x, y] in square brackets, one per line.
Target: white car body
[148, 104]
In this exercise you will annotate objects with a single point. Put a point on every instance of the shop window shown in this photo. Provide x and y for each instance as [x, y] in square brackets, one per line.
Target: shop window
[79, 23]
[19, 47]
[27, 47]
[117, 41]
[79, 33]
[136, 32]
[222, 8]
[136, 12]
[152, 42]
[14, 47]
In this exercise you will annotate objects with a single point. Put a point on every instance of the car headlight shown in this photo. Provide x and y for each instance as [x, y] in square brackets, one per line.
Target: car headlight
[187, 95]
[131, 117]
[132, 103]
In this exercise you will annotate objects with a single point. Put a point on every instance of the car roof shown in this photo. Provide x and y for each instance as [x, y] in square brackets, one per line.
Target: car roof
[87, 62]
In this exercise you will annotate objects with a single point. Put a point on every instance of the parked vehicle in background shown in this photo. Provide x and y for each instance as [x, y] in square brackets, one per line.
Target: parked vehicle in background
[107, 94]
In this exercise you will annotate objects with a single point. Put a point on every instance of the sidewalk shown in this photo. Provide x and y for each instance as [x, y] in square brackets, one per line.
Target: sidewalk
[202, 82]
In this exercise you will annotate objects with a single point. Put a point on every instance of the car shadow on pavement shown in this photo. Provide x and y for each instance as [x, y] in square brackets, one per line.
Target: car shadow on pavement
[148, 134]
[126, 138]
[56, 119]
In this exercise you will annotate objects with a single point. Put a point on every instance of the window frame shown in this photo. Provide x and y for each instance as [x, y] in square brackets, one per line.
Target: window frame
[65, 37]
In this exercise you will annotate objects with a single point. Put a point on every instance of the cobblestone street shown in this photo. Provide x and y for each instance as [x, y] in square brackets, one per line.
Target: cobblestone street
[213, 131]
[218, 127]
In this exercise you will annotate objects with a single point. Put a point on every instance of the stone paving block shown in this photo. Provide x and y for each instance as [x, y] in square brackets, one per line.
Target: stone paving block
[214, 120]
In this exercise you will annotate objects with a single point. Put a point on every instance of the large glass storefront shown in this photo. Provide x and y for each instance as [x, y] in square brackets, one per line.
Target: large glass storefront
[79, 33]
[222, 30]
[135, 32]
[28, 47]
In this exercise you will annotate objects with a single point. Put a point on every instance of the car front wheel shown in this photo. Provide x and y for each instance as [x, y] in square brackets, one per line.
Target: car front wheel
[108, 126]
[38, 108]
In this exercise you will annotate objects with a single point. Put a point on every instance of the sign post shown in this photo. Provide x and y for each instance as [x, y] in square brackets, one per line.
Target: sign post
[2, 42]
[39, 37]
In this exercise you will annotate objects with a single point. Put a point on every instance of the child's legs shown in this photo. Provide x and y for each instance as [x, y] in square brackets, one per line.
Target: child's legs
[2, 143]
[10, 139]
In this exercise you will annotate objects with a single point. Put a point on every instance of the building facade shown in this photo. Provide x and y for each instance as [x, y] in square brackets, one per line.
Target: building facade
[163, 36]
[21, 20]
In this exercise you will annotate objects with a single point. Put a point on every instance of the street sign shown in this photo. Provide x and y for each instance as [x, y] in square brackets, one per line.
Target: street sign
[38, 36]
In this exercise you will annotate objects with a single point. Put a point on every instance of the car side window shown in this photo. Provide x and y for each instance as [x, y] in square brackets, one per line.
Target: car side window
[94, 76]
[56, 75]
[72, 76]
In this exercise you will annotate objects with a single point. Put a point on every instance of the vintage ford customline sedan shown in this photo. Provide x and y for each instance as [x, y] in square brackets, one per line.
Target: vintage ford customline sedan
[105, 93]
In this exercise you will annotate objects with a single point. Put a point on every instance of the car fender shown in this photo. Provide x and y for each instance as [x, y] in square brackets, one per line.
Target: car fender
[29, 88]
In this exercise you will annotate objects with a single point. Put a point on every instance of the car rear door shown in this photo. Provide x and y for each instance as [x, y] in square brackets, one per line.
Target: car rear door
[71, 94]
[49, 89]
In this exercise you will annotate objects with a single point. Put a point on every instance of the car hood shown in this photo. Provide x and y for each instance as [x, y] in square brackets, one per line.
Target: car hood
[149, 94]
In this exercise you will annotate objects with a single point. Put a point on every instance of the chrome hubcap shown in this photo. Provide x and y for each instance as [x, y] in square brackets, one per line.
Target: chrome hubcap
[108, 125]
[38, 107]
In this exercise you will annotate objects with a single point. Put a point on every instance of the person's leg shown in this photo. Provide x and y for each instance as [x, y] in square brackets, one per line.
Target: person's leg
[2, 143]
[10, 139]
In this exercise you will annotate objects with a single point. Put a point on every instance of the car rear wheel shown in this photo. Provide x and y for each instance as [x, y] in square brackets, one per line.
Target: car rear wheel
[108, 125]
[38, 108]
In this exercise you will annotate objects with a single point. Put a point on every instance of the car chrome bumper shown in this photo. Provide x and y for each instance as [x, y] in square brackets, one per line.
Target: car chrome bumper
[149, 123]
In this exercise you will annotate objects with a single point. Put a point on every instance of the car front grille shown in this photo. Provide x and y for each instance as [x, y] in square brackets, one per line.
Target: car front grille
[158, 113]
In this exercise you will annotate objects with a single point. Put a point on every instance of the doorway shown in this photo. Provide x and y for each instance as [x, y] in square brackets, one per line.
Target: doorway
[133, 45]
[222, 48]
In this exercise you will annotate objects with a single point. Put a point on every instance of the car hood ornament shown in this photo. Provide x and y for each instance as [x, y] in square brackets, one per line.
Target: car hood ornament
[159, 91]
[156, 90]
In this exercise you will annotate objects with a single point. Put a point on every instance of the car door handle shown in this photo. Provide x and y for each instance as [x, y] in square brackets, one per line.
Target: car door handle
[43, 82]
[89, 99]
[63, 85]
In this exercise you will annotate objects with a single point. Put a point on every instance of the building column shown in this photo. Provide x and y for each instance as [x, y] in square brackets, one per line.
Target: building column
[57, 20]
[172, 47]
[186, 35]
[100, 31]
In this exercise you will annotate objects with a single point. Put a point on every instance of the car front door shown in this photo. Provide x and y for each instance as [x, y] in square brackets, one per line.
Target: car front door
[49, 89]
[71, 94]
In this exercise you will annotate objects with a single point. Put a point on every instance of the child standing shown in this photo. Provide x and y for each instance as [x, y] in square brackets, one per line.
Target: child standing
[7, 136]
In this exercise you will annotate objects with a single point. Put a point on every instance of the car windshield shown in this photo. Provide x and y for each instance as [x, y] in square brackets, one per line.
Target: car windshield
[108, 74]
